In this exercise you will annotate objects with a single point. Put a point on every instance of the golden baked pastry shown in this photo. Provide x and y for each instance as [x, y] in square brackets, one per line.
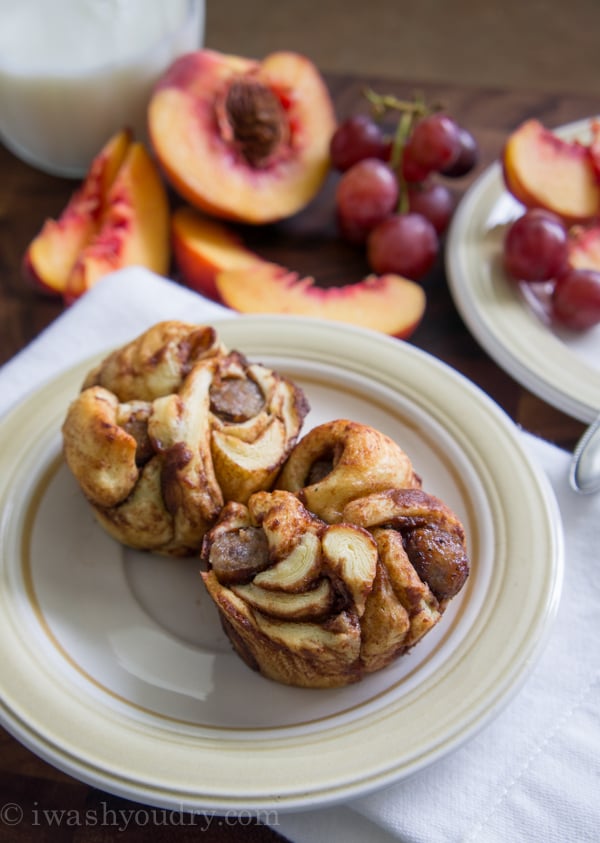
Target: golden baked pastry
[170, 427]
[432, 535]
[341, 460]
[256, 416]
[320, 605]
[325, 558]
[156, 362]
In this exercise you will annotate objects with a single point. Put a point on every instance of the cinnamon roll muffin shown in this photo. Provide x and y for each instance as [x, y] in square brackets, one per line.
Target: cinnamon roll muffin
[318, 585]
[324, 557]
[171, 426]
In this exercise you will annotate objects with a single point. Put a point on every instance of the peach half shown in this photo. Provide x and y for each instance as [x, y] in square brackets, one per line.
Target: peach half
[118, 217]
[544, 171]
[203, 247]
[241, 139]
[387, 303]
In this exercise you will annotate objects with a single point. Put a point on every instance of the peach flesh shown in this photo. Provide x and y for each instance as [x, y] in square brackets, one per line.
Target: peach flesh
[207, 166]
[387, 303]
[134, 229]
[53, 252]
[545, 171]
[584, 248]
[203, 247]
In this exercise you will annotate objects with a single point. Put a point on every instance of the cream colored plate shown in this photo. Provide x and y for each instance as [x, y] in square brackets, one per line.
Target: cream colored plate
[559, 366]
[114, 666]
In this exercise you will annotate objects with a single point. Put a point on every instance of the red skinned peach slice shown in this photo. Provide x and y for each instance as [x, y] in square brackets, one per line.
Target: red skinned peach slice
[203, 247]
[584, 247]
[53, 252]
[542, 170]
[134, 228]
[594, 147]
[241, 139]
[387, 303]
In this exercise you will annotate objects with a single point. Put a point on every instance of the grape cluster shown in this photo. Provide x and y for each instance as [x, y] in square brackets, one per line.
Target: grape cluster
[536, 250]
[389, 198]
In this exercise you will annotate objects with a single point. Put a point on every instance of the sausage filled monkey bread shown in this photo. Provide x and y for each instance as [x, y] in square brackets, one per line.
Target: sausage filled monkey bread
[168, 428]
[325, 558]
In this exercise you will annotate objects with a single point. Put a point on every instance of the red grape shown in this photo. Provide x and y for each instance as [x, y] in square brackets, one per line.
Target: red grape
[467, 156]
[405, 244]
[575, 301]
[536, 246]
[366, 194]
[357, 138]
[387, 196]
[434, 143]
[434, 201]
[412, 171]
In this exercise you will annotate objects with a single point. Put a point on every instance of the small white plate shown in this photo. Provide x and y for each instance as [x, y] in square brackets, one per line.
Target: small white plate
[560, 366]
[114, 665]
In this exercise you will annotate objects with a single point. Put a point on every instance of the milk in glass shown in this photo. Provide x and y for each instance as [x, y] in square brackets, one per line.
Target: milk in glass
[73, 72]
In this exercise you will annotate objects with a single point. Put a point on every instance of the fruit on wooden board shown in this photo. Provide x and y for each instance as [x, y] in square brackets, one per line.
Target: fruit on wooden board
[242, 139]
[212, 259]
[119, 217]
[53, 252]
[135, 226]
[202, 247]
[542, 170]
[387, 303]
[389, 197]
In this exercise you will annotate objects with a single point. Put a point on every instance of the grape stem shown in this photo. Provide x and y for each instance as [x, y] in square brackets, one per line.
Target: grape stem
[401, 135]
[387, 102]
[410, 111]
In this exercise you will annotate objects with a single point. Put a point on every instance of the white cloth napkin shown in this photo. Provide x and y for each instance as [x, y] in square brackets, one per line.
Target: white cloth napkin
[534, 773]
[123, 305]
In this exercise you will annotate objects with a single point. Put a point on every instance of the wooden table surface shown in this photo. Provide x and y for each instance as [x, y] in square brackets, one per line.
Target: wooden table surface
[30, 788]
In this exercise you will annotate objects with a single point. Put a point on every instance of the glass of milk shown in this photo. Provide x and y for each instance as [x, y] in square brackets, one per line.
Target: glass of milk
[74, 72]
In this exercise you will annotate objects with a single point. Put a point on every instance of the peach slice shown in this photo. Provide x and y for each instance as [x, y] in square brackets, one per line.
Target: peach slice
[542, 170]
[241, 139]
[134, 229]
[118, 217]
[213, 260]
[203, 247]
[387, 303]
[52, 253]
[584, 247]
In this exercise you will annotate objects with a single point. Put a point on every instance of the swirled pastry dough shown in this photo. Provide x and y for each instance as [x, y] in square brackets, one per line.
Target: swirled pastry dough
[156, 362]
[170, 427]
[325, 557]
[320, 605]
[341, 460]
[256, 416]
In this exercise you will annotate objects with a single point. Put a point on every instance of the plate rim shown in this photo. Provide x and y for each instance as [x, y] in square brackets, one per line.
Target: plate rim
[574, 396]
[273, 327]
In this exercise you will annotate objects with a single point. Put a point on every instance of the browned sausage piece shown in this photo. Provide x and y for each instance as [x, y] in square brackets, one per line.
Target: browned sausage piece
[237, 556]
[137, 426]
[235, 399]
[439, 559]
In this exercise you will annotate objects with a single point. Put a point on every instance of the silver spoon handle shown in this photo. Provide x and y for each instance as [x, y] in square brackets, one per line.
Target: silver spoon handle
[584, 475]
